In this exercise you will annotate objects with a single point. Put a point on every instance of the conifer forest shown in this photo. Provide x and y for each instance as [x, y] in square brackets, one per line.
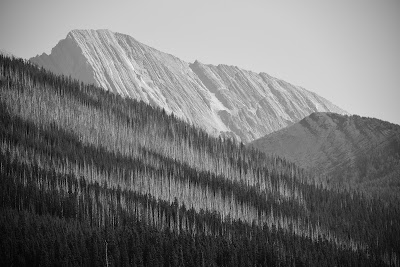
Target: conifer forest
[89, 178]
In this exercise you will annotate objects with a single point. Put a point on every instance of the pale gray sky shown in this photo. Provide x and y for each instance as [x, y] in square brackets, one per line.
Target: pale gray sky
[347, 51]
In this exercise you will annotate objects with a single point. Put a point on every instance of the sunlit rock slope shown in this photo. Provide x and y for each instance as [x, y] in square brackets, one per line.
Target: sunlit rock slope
[222, 99]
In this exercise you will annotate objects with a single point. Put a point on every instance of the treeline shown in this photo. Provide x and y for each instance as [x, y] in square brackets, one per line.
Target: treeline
[75, 156]
[32, 240]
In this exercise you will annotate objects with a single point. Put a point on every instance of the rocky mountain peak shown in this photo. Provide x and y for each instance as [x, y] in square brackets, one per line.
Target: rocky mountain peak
[221, 99]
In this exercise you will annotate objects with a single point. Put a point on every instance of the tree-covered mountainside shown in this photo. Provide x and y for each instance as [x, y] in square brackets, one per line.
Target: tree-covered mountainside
[344, 151]
[91, 178]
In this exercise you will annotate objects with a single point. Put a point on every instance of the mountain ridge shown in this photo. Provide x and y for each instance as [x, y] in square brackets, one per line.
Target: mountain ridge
[350, 151]
[221, 99]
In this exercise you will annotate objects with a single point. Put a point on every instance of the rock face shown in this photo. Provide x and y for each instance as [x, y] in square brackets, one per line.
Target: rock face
[353, 151]
[221, 99]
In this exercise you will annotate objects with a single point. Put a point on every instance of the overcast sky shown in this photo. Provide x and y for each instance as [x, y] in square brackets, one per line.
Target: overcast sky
[346, 51]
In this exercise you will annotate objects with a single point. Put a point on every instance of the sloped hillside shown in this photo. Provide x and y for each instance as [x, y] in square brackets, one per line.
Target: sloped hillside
[223, 100]
[346, 151]
[89, 177]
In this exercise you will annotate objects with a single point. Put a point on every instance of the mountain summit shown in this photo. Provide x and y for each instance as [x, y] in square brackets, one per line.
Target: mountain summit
[221, 99]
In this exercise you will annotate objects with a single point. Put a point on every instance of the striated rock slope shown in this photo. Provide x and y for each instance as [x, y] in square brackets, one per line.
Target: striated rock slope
[221, 99]
[350, 151]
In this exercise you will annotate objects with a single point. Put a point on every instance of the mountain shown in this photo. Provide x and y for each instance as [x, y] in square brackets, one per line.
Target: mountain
[221, 99]
[91, 178]
[350, 151]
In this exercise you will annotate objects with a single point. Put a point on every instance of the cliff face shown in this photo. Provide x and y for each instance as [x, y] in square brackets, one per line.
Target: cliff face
[221, 99]
[258, 103]
[348, 151]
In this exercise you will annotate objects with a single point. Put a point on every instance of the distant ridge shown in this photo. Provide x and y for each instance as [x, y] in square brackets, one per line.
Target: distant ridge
[221, 99]
[353, 151]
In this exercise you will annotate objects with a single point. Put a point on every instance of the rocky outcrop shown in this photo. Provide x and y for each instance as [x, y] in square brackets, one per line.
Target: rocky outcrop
[221, 99]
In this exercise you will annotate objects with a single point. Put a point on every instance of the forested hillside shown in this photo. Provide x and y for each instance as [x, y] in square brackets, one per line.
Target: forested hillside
[91, 178]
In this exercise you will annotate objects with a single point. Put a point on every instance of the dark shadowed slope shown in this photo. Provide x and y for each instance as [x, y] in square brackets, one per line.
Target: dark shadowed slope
[349, 150]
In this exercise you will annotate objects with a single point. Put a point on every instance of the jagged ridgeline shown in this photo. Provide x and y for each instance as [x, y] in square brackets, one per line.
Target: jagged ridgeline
[89, 177]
